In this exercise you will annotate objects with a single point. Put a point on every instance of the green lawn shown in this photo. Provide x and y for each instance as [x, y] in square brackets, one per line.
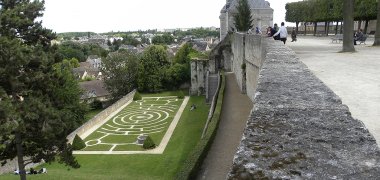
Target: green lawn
[149, 116]
[140, 166]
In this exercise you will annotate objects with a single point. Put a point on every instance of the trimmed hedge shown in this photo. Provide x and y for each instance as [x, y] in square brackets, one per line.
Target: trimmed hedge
[148, 143]
[194, 161]
[137, 96]
[180, 95]
[78, 143]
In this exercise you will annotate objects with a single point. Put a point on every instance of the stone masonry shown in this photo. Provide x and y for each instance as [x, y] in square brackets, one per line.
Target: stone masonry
[299, 129]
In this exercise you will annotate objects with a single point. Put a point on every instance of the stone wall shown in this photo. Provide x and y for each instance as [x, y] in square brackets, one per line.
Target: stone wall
[98, 120]
[237, 46]
[198, 76]
[298, 128]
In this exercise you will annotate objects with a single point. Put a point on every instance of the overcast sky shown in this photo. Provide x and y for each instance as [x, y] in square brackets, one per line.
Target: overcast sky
[126, 15]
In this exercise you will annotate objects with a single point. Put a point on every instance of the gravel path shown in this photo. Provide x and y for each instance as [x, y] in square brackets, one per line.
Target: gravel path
[235, 111]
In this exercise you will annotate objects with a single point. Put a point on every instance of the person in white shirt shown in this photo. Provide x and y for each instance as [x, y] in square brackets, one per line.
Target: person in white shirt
[283, 32]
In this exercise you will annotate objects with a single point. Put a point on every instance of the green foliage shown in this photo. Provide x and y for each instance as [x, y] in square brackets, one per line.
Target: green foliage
[199, 55]
[180, 95]
[176, 75]
[87, 78]
[39, 95]
[164, 39]
[328, 10]
[197, 33]
[69, 50]
[137, 96]
[194, 161]
[243, 66]
[78, 143]
[243, 19]
[72, 35]
[129, 40]
[153, 64]
[96, 104]
[148, 143]
[120, 72]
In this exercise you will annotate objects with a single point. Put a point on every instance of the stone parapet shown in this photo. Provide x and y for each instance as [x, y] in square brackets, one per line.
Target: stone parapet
[299, 128]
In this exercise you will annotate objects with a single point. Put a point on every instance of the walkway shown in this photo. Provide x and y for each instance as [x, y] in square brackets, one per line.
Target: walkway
[354, 77]
[235, 112]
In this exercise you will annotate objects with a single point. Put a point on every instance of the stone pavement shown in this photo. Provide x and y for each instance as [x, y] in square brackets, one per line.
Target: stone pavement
[354, 77]
[235, 112]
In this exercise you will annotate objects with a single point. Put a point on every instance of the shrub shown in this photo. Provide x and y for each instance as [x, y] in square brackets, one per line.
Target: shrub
[96, 104]
[148, 143]
[78, 143]
[137, 96]
[180, 95]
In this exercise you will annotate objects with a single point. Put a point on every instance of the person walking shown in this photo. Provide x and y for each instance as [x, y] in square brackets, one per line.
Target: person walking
[283, 33]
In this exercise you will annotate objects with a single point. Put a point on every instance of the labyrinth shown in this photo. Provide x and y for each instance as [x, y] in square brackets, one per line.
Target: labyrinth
[149, 116]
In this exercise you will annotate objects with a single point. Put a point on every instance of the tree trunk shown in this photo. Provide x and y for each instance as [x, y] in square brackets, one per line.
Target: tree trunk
[366, 26]
[336, 27]
[315, 28]
[297, 27]
[326, 24]
[341, 27]
[305, 29]
[377, 33]
[348, 19]
[359, 24]
[20, 156]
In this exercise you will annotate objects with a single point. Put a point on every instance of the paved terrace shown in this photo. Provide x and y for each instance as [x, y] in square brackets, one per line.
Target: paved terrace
[354, 77]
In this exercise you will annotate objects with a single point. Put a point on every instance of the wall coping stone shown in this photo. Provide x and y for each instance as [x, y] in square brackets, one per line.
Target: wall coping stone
[299, 128]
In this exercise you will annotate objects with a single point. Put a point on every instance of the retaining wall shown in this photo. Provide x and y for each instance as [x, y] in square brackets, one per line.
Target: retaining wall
[298, 128]
[98, 120]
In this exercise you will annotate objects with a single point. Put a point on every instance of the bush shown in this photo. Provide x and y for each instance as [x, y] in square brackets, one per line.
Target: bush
[180, 95]
[148, 143]
[78, 143]
[96, 104]
[137, 96]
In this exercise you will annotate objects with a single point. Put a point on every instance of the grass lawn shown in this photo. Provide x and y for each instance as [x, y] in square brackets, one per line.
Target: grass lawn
[139, 166]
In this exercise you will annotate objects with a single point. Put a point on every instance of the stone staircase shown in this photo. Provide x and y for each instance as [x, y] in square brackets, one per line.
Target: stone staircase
[212, 86]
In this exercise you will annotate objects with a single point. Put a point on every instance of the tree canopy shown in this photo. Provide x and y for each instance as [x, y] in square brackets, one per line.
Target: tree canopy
[120, 70]
[328, 10]
[243, 19]
[39, 97]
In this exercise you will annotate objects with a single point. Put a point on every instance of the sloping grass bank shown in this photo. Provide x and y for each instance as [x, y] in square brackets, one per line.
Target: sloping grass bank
[194, 161]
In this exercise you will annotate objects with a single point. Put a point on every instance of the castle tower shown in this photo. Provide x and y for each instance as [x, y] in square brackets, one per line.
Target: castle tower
[262, 15]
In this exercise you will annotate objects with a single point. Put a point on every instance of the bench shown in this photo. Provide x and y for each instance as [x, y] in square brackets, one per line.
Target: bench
[363, 39]
[337, 38]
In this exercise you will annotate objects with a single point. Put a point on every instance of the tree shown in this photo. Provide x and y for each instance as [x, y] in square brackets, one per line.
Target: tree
[243, 19]
[120, 72]
[377, 33]
[153, 64]
[39, 97]
[348, 26]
